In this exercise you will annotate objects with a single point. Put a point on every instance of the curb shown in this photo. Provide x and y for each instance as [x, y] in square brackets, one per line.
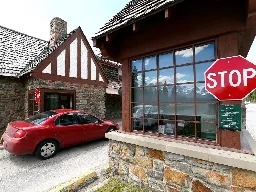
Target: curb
[77, 183]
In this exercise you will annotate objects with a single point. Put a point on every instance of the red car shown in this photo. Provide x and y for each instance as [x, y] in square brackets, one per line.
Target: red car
[45, 133]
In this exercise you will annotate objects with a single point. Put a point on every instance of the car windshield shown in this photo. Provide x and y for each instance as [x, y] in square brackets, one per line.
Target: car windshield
[40, 117]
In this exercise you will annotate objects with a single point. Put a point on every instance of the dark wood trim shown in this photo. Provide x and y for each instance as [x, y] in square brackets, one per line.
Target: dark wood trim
[79, 57]
[168, 13]
[54, 66]
[108, 38]
[89, 63]
[68, 79]
[135, 27]
[67, 61]
[97, 73]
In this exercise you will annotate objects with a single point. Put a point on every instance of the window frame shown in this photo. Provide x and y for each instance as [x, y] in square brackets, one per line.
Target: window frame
[195, 102]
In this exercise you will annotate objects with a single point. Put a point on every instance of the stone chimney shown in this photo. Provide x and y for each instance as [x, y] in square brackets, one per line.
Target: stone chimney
[58, 29]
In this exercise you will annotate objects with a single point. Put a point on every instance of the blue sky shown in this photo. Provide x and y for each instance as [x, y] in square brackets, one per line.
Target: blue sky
[33, 17]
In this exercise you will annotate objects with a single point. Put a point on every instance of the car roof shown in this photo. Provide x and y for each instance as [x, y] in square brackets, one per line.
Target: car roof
[67, 110]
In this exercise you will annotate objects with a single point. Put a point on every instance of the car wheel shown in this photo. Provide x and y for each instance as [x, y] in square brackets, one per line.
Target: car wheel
[110, 129]
[46, 149]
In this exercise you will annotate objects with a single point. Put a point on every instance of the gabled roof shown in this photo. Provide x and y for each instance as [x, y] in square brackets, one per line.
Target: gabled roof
[20, 54]
[132, 12]
[17, 50]
[44, 54]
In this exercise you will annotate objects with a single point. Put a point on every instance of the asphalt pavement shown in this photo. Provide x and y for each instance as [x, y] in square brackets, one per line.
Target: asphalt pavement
[29, 174]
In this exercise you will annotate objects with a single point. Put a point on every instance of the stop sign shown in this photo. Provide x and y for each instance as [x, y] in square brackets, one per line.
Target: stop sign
[231, 78]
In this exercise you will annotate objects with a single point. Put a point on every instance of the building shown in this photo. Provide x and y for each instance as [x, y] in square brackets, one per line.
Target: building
[65, 70]
[170, 139]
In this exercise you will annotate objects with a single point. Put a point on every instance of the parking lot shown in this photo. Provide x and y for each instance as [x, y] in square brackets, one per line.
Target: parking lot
[27, 173]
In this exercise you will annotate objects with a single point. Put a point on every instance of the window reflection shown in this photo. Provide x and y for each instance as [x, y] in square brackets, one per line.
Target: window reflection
[185, 93]
[184, 56]
[137, 79]
[137, 65]
[185, 111]
[150, 94]
[204, 52]
[137, 95]
[151, 118]
[166, 127]
[137, 124]
[208, 131]
[186, 129]
[166, 76]
[166, 60]
[206, 112]
[167, 111]
[202, 94]
[150, 78]
[200, 69]
[166, 93]
[150, 63]
[185, 74]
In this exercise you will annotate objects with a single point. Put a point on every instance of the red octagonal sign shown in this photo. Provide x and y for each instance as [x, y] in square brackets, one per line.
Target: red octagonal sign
[231, 78]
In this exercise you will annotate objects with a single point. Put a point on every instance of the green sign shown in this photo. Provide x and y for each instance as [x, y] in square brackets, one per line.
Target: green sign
[230, 117]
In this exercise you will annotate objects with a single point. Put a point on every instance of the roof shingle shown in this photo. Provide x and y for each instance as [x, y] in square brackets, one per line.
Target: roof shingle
[132, 12]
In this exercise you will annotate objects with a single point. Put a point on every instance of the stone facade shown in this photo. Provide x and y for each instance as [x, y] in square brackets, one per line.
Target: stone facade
[88, 97]
[113, 106]
[162, 171]
[12, 93]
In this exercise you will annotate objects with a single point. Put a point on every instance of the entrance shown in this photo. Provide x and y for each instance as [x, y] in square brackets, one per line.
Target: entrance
[55, 100]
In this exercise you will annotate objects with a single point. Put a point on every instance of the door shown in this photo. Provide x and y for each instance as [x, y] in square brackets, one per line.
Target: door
[68, 129]
[93, 127]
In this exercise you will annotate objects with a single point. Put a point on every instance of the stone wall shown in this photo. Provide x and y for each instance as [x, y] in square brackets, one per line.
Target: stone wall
[88, 97]
[113, 106]
[162, 171]
[12, 93]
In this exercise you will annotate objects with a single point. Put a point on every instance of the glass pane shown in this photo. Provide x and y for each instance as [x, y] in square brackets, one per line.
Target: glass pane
[150, 78]
[202, 94]
[204, 52]
[151, 111]
[150, 94]
[166, 76]
[137, 110]
[167, 111]
[166, 127]
[186, 111]
[31, 96]
[186, 129]
[200, 69]
[166, 60]
[137, 124]
[206, 112]
[137, 95]
[136, 66]
[185, 93]
[207, 131]
[137, 79]
[185, 74]
[151, 125]
[184, 56]
[150, 63]
[166, 93]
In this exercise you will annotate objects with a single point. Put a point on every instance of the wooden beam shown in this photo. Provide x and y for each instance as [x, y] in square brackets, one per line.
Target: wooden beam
[94, 42]
[251, 14]
[168, 12]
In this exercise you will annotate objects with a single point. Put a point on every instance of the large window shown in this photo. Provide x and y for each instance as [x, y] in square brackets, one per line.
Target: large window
[169, 96]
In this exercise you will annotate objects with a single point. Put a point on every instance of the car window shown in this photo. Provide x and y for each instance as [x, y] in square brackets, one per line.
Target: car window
[66, 119]
[40, 117]
[87, 119]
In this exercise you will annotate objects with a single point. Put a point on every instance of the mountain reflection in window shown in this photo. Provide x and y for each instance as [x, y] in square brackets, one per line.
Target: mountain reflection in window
[202, 94]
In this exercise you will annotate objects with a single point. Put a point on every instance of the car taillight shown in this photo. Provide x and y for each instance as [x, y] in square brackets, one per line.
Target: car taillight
[20, 133]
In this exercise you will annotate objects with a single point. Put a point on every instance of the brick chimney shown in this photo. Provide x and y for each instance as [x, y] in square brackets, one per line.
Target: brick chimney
[58, 29]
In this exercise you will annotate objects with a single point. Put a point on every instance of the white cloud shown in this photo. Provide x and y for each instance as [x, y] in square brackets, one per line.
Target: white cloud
[180, 75]
[146, 62]
[189, 52]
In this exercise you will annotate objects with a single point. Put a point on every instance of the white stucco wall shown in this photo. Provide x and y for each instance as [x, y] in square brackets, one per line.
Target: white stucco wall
[73, 59]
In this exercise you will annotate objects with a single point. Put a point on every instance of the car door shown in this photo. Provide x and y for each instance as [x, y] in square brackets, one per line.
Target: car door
[68, 129]
[92, 126]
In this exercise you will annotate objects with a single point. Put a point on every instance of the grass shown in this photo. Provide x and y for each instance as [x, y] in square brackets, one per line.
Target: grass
[118, 185]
